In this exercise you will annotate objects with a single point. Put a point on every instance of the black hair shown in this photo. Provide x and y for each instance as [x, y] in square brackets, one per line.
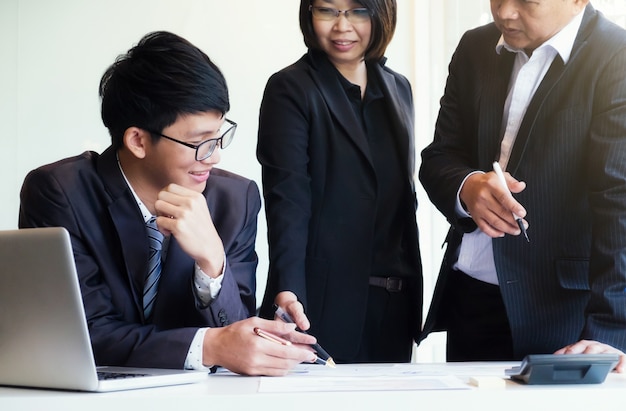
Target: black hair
[384, 19]
[162, 77]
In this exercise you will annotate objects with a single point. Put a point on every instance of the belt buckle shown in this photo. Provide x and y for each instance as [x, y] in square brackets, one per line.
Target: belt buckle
[393, 284]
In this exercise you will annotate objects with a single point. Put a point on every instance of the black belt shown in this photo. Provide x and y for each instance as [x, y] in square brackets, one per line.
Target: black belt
[391, 284]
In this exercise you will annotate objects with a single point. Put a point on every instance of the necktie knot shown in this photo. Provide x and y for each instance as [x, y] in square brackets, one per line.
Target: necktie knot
[155, 238]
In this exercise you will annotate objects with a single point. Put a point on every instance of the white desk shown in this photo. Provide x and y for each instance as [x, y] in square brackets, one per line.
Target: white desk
[228, 392]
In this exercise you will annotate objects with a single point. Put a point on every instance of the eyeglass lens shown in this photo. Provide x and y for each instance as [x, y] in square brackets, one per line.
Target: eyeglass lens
[358, 15]
[207, 148]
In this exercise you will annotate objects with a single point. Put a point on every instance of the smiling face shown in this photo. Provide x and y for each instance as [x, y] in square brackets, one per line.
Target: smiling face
[527, 24]
[343, 41]
[167, 161]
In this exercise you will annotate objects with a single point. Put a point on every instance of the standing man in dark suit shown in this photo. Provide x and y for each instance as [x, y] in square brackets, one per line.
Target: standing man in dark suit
[336, 145]
[542, 90]
[164, 104]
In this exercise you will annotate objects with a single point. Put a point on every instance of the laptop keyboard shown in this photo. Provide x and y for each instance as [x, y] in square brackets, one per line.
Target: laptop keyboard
[104, 375]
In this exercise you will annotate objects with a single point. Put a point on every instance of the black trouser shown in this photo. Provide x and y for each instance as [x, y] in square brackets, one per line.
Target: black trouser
[387, 334]
[478, 327]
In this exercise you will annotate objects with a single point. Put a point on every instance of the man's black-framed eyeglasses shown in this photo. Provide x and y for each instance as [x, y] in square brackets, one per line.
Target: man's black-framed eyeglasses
[207, 147]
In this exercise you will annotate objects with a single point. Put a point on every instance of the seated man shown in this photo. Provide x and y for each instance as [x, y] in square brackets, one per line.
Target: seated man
[177, 294]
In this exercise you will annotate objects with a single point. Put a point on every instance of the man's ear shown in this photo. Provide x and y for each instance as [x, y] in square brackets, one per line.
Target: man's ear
[580, 4]
[136, 140]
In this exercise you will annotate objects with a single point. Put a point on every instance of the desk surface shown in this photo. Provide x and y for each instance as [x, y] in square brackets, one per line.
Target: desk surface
[232, 392]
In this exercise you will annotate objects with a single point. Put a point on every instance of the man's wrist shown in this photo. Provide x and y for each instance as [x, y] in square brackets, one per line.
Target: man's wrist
[461, 207]
[211, 268]
[194, 359]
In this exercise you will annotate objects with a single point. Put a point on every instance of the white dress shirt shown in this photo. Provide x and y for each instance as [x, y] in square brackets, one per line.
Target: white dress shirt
[476, 252]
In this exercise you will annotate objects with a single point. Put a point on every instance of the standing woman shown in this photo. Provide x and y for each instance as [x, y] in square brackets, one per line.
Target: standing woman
[336, 144]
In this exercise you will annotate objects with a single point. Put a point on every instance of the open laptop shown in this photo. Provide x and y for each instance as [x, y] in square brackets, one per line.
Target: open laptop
[44, 340]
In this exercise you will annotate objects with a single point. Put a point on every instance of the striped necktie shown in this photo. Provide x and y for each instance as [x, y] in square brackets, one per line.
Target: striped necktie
[155, 241]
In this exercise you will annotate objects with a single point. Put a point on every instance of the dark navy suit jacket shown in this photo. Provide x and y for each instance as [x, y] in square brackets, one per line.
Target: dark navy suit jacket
[88, 195]
[569, 282]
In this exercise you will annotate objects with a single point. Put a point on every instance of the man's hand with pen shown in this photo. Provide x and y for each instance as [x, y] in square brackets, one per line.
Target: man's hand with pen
[238, 347]
[488, 199]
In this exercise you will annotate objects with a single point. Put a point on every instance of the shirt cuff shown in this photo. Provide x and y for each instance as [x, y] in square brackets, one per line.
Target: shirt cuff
[194, 356]
[460, 210]
[207, 287]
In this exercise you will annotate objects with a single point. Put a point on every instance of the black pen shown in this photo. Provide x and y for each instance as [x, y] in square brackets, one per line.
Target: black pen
[322, 356]
[279, 340]
[500, 174]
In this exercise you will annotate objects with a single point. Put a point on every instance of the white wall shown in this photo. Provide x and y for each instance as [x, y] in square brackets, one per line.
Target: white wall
[53, 54]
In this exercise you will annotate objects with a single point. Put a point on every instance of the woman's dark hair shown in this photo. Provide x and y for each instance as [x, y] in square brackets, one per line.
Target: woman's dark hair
[384, 18]
[160, 78]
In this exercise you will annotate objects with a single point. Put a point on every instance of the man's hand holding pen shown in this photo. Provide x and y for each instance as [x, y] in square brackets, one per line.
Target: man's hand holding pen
[238, 347]
[491, 205]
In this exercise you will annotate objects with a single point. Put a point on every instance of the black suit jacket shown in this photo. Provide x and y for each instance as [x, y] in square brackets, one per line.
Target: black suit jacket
[569, 282]
[320, 188]
[88, 195]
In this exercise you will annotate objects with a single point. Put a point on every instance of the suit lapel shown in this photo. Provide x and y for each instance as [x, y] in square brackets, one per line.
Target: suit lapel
[134, 247]
[491, 108]
[128, 222]
[549, 84]
[327, 80]
[401, 118]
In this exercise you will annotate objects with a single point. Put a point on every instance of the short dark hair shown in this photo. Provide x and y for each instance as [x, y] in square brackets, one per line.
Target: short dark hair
[384, 18]
[157, 80]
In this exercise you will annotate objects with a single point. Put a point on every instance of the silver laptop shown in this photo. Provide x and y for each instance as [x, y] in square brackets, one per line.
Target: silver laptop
[44, 341]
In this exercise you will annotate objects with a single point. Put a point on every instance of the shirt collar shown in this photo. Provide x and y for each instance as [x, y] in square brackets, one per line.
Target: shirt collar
[142, 207]
[562, 42]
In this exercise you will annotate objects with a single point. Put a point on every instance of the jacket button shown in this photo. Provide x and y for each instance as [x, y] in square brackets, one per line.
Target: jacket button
[223, 318]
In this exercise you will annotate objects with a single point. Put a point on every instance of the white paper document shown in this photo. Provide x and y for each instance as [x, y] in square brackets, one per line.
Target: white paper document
[350, 377]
